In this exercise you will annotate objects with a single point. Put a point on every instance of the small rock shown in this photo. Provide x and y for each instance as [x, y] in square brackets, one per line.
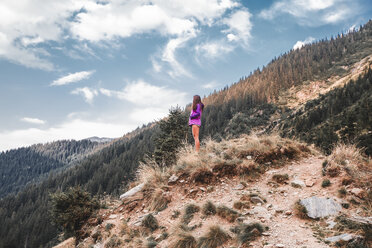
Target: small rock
[203, 189]
[182, 181]
[113, 216]
[173, 179]
[239, 187]
[266, 234]
[159, 237]
[288, 212]
[145, 211]
[358, 192]
[298, 183]
[279, 211]
[133, 191]
[309, 183]
[331, 224]
[249, 157]
[257, 199]
[279, 245]
[343, 237]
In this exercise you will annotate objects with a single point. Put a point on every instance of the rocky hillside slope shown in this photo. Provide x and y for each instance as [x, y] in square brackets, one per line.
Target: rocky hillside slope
[255, 191]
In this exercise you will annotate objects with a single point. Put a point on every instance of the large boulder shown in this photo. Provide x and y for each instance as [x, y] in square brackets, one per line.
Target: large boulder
[133, 191]
[317, 207]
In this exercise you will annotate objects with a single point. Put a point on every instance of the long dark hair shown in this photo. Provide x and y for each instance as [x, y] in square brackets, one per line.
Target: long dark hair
[196, 99]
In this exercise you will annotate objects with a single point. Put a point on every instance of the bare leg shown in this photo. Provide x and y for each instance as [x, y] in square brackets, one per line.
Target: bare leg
[195, 133]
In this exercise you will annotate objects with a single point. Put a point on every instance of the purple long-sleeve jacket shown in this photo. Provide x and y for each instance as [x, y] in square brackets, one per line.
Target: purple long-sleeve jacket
[195, 116]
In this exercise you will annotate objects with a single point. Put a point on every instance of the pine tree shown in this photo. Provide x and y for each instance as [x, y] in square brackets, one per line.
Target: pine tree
[173, 130]
[71, 209]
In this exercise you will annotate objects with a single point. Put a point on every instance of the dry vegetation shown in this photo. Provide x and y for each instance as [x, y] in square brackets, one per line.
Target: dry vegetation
[347, 161]
[248, 157]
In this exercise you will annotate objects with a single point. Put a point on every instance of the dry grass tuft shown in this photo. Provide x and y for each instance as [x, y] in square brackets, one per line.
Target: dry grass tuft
[190, 210]
[209, 209]
[347, 160]
[159, 200]
[184, 240]
[215, 237]
[245, 156]
[150, 222]
[300, 210]
[241, 205]
[280, 178]
[227, 213]
[152, 175]
[225, 169]
[248, 232]
[202, 176]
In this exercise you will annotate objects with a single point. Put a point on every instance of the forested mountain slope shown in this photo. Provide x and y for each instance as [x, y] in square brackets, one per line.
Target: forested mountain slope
[317, 61]
[252, 103]
[19, 167]
[342, 114]
[25, 217]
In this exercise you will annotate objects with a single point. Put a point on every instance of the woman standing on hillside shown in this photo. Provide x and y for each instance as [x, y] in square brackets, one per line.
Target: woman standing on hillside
[195, 119]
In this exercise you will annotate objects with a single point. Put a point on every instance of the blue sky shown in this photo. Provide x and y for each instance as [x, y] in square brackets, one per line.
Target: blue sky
[71, 69]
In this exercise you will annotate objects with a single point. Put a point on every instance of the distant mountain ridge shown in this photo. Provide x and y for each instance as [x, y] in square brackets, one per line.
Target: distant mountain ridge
[99, 139]
[19, 167]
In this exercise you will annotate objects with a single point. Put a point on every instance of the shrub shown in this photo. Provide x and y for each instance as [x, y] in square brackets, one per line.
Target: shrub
[326, 183]
[189, 212]
[159, 201]
[280, 178]
[214, 238]
[150, 222]
[184, 241]
[113, 242]
[175, 214]
[241, 205]
[109, 226]
[227, 213]
[248, 232]
[342, 192]
[72, 209]
[300, 210]
[209, 208]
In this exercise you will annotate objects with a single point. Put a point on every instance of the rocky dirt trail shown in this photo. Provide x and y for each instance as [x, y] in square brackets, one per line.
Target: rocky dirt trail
[272, 205]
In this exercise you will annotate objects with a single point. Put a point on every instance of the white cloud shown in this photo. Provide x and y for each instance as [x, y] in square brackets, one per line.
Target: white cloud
[214, 49]
[28, 24]
[312, 12]
[33, 120]
[150, 101]
[240, 26]
[25, 22]
[300, 44]
[72, 78]
[169, 56]
[143, 94]
[87, 93]
[72, 129]
[210, 85]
